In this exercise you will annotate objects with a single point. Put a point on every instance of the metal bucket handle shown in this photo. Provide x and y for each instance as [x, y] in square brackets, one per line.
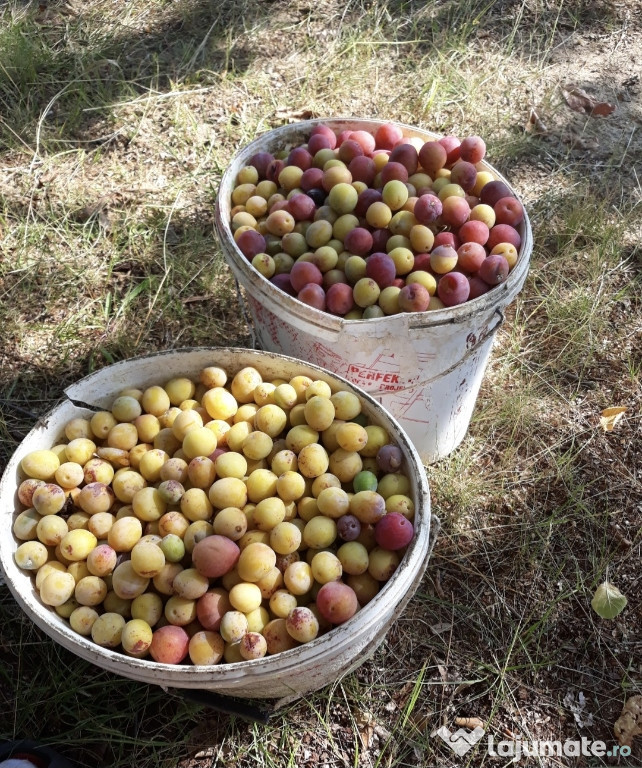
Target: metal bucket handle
[478, 341]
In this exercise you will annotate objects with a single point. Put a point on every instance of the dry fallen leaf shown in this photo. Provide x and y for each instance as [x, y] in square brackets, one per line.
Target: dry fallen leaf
[535, 125]
[610, 417]
[629, 723]
[196, 299]
[578, 707]
[366, 725]
[438, 588]
[441, 627]
[419, 721]
[401, 696]
[48, 15]
[291, 116]
[470, 722]
[104, 221]
[580, 101]
[576, 141]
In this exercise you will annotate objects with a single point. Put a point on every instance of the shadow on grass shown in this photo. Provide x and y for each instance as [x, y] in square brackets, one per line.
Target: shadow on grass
[149, 285]
[507, 636]
[93, 717]
[513, 639]
[64, 67]
[62, 71]
[529, 27]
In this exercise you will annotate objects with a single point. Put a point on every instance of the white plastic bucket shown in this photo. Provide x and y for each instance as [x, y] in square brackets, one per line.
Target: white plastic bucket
[285, 675]
[426, 368]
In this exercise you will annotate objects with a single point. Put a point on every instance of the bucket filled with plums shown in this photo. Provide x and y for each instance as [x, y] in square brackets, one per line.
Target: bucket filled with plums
[230, 520]
[382, 252]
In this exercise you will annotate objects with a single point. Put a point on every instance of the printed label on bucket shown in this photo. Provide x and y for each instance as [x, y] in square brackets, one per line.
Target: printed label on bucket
[384, 372]
[371, 366]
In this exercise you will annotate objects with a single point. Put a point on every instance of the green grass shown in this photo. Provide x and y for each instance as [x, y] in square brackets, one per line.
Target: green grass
[117, 122]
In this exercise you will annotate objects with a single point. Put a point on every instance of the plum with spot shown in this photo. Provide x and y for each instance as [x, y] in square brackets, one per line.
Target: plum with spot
[348, 527]
[503, 233]
[261, 161]
[363, 169]
[387, 136]
[477, 287]
[494, 191]
[494, 269]
[464, 174]
[472, 149]
[452, 145]
[394, 172]
[215, 555]
[313, 295]
[365, 139]
[251, 242]
[473, 231]
[433, 156]
[470, 256]
[303, 273]
[414, 297]
[339, 299]
[509, 210]
[428, 209]
[406, 155]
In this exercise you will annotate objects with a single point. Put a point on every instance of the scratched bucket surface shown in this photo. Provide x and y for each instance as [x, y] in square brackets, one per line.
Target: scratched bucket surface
[426, 368]
[282, 676]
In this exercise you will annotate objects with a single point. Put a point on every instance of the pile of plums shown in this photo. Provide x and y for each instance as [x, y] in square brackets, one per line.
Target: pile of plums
[365, 225]
[215, 519]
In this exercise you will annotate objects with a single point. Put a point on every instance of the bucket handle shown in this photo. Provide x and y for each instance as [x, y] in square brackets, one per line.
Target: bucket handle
[478, 341]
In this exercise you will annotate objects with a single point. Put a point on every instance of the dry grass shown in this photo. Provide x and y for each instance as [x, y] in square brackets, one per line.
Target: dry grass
[117, 121]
